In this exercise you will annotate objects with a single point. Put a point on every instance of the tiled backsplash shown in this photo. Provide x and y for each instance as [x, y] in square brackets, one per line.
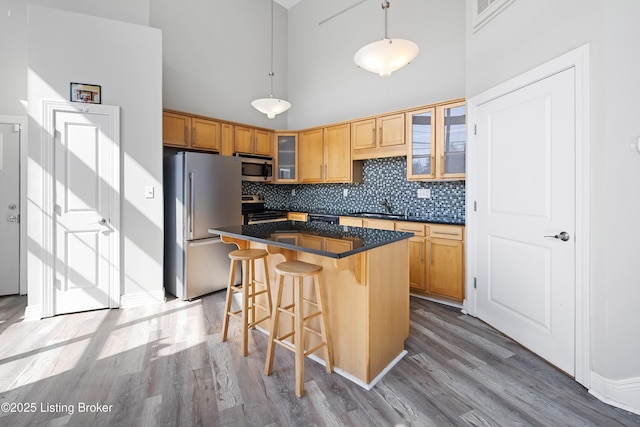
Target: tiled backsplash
[383, 179]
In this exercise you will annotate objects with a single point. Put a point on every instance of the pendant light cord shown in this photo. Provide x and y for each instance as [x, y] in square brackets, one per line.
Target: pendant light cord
[271, 73]
[385, 6]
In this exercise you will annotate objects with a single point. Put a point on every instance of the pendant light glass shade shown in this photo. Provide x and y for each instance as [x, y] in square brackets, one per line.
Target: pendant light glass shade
[387, 55]
[271, 106]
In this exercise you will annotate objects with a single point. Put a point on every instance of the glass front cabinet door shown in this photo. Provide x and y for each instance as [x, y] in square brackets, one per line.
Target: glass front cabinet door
[451, 131]
[437, 140]
[286, 160]
[421, 156]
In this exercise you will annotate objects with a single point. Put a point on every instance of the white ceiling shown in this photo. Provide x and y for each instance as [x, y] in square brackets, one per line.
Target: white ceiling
[287, 4]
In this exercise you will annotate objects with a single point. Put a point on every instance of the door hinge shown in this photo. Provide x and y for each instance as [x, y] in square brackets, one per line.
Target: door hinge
[16, 127]
[475, 205]
[475, 282]
[475, 129]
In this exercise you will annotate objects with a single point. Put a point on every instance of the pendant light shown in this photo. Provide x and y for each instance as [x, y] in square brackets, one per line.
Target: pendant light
[271, 106]
[387, 55]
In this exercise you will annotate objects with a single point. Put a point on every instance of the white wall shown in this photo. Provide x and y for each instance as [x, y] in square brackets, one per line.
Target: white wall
[126, 60]
[13, 39]
[527, 34]
[325, 84]
[217, 57]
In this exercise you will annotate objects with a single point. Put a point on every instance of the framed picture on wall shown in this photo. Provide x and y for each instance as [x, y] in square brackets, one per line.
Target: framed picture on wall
[82, 92]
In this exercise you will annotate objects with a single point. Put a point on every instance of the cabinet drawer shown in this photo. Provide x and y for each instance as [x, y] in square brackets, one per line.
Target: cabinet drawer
[350, 221]
[297, 216]
[412, 227]
[380, 224]
[448, 232]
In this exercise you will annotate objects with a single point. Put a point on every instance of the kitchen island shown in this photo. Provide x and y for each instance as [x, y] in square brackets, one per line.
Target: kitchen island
[366, 285]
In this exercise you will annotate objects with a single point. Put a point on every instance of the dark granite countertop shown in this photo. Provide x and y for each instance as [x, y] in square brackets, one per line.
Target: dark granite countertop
[452, 220]
[299, 236]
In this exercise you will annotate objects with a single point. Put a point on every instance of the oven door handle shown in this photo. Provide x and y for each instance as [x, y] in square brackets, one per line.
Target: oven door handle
[262, 221]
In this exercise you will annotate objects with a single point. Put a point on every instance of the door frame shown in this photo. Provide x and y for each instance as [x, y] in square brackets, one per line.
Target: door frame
[22, 121]
[578, 60]
[48, 245]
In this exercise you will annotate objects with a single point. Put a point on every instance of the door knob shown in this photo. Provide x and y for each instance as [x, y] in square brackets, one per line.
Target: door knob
[12, 218]
[103, 221]
[564, 236]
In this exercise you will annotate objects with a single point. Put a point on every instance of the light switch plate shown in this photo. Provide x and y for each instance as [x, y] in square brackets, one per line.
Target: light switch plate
[424, 193]
[149, 192]
[345, 192]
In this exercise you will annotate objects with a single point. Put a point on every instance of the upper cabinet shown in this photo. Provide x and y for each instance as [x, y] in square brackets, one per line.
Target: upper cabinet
[286, 157]
[312, 156]
[421, 138]
[176, 130]
[325, 155]
[436, 139]
[451, 137]
[253, 141]
[205, 134]
[227, 138]
[433, 138]
[382, 136]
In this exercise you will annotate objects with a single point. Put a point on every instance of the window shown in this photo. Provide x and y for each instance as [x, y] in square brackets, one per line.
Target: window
[485, 10]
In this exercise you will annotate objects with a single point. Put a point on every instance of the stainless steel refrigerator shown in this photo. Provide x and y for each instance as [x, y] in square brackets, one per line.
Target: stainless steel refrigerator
[201, 191]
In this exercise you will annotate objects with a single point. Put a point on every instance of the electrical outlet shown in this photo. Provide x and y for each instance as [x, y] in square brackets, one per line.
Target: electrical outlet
[293, 191]
[345, 192]
[149, 192]
[424, 193]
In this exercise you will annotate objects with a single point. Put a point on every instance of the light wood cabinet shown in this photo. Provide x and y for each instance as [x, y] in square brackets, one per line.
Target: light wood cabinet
[436, 140]
[253, 141]
[350, 221]
[436, 256]
[297, 216]
[337, 154]
[325, 156]
[205, 134]
[227, 138]
[176, 130]
[451, 139]
[380, 224]
[312, 156]
[382, 136]
[286, 157]
[446, 266]
[418, 254]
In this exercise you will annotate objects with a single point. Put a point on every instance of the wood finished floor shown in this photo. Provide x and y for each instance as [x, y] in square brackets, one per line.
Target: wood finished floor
[164, 365]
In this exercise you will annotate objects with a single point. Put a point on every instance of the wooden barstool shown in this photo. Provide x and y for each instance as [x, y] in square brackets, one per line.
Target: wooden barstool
[298, 270]
[247, 314]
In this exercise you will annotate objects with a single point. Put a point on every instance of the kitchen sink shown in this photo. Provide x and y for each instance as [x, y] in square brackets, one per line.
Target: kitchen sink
[378, 215]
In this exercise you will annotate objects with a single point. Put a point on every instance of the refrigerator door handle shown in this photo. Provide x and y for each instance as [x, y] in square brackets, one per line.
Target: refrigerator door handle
[191, 210]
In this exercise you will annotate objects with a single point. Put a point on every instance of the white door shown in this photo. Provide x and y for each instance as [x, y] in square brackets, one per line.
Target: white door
[85, 184]
[526, 193]
[9, 208]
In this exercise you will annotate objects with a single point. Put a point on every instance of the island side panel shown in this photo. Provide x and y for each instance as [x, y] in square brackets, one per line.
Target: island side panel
[346, 306]
[388, 304]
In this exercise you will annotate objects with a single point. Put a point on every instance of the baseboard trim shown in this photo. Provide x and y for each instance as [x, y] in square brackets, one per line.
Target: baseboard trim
[142, 298]
[33, 312]
[623, 394]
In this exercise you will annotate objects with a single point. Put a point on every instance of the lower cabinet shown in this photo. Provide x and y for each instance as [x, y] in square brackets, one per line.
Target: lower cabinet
[436, 256]
[446, 262]
[436, 260]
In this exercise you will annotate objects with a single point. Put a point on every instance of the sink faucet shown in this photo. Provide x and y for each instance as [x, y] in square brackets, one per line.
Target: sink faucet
[387, 205]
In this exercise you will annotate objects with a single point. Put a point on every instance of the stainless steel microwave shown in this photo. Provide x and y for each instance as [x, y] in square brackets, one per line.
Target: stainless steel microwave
[258, 169]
